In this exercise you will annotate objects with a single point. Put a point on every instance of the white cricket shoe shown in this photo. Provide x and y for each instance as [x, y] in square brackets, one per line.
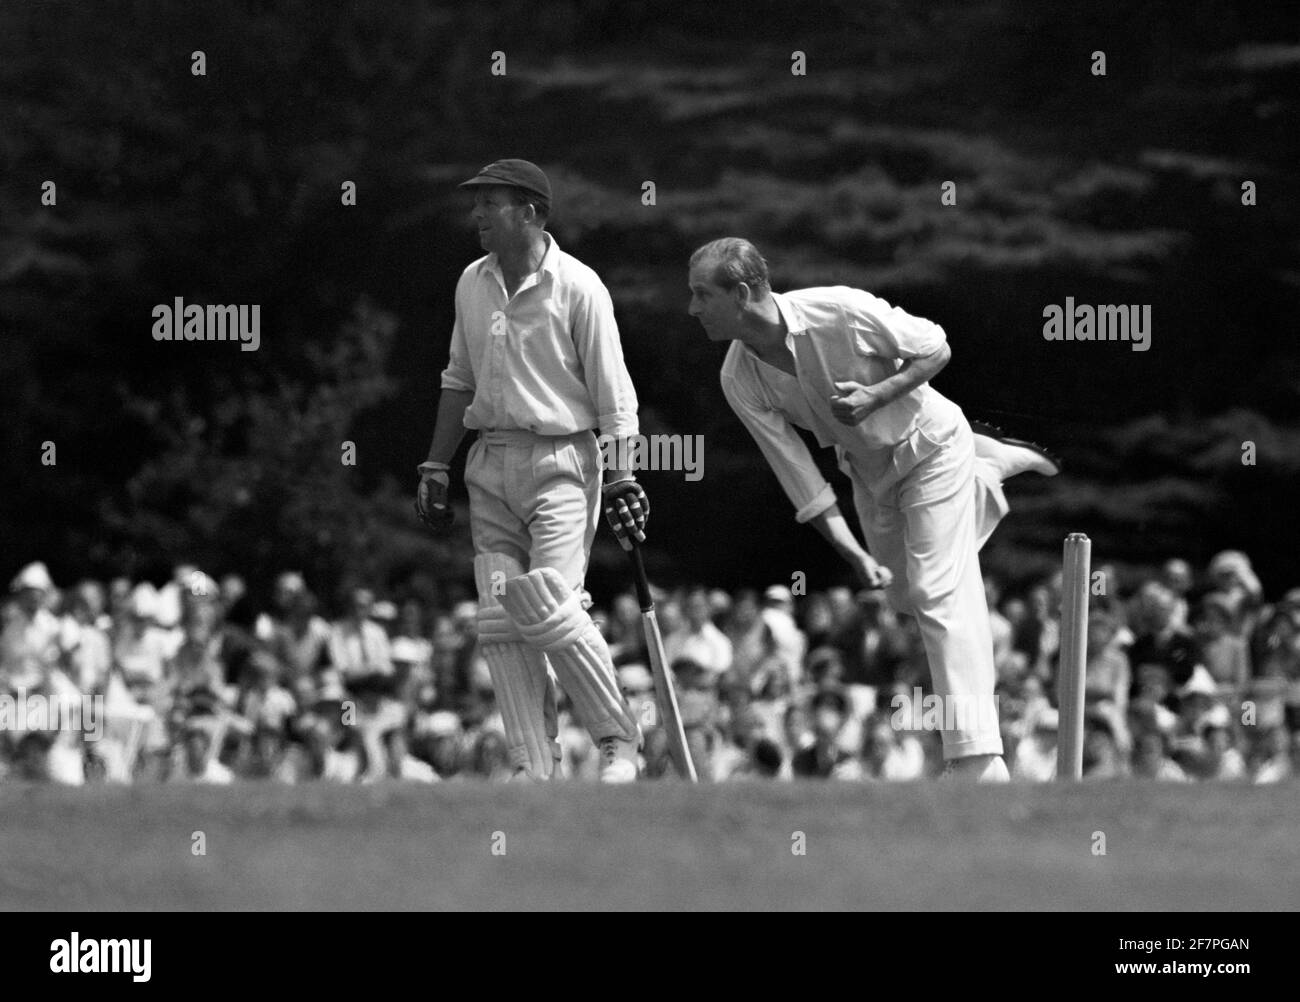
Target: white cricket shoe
[618, 760]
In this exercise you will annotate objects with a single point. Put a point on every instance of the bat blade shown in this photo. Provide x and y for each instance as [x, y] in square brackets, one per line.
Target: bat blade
[666, 697]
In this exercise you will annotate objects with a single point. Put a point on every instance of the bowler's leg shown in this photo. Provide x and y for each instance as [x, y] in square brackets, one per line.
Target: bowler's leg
[946, 591]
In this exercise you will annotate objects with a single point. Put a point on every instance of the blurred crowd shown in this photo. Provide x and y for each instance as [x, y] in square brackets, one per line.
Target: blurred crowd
[1190, 676]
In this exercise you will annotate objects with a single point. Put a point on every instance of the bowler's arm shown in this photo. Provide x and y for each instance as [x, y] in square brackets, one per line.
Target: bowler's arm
[912, 373]
[807, 489]
[832, 527]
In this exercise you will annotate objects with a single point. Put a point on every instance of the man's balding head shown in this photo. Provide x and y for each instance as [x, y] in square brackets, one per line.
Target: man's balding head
[732, 260]
[730, 287]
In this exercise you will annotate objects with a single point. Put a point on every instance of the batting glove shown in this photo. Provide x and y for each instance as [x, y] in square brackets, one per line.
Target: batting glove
[431, 497]
[627, 510]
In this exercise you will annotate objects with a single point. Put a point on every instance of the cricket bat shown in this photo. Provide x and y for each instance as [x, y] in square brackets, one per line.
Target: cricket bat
[665, 694]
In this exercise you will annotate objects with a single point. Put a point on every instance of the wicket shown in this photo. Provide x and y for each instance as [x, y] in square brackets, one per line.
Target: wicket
[1074, 654]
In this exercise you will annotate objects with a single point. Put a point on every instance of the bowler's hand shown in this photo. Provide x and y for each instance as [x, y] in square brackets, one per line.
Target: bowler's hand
[871, 573]
[853, 403]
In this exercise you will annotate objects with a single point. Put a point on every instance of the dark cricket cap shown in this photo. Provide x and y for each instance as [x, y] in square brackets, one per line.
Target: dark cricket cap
[517, 174]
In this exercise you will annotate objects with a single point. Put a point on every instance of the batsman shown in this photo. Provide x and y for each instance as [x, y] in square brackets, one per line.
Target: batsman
[536, 368]
[855, 371]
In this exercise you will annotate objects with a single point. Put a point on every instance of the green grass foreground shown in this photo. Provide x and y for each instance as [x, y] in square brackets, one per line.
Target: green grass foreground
[928, 846]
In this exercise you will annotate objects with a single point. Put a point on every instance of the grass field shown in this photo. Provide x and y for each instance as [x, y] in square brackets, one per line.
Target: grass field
[927, 846]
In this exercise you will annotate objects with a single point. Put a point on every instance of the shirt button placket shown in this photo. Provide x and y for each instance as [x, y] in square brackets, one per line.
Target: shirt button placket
[499, 389]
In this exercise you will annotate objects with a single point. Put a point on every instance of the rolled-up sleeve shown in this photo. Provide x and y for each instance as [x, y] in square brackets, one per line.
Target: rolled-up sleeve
[595, 337]
[889, 331]
[459, 374]
[783, 449]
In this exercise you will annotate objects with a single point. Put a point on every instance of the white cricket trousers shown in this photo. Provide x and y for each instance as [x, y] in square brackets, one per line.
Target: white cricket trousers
[927, 526]
[535, 498]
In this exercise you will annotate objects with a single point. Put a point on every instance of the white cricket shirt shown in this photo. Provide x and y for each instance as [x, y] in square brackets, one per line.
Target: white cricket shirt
[547, 359]
[838, 334]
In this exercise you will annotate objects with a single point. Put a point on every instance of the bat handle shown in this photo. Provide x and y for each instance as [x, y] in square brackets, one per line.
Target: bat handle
[643, 596]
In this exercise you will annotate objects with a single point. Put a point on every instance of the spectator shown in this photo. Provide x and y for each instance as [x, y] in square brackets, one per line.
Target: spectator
[881, 645]
[297, 637]
[749, 635]
[1279, 646]
[1196, 698]
[438, 741]
[198, 664]
[30, 644]
[412, 653]
[1275, 764]
[451, 658]
[733, 759]
[1103, 754]
[168, 612]
[1176, 576]
[825, 758]
[765, 760]
[1107, 679]
[639, 690]
[818, 618]
[890, 754]
[119, 604]
[1036, 753]
[202, 734]
[628, 637]
[90, 651]
[490, 759]
[141, 653]
[269, 709]
[698, 639]
[1220, 758]
[796, 729]
[778, 615]
[321, 728]
[361, 654]
[1039, 634]
[1159, 639]
[1105, 595]
[1009, 663]
[658, 760]
[772, 676]
[1016, 612]
[756, 753]
[359, 647]
[1231, 573]
[1224, 652]
[1151, 757]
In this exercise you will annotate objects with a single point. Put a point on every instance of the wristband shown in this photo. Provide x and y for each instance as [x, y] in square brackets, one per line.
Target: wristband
[429, 466]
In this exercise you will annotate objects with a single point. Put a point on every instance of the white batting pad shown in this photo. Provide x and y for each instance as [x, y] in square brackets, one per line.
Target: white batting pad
[550, 617]
[524, 691]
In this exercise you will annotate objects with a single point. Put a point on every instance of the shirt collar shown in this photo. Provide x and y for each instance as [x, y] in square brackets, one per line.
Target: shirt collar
[550, 260]
[795, 320]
